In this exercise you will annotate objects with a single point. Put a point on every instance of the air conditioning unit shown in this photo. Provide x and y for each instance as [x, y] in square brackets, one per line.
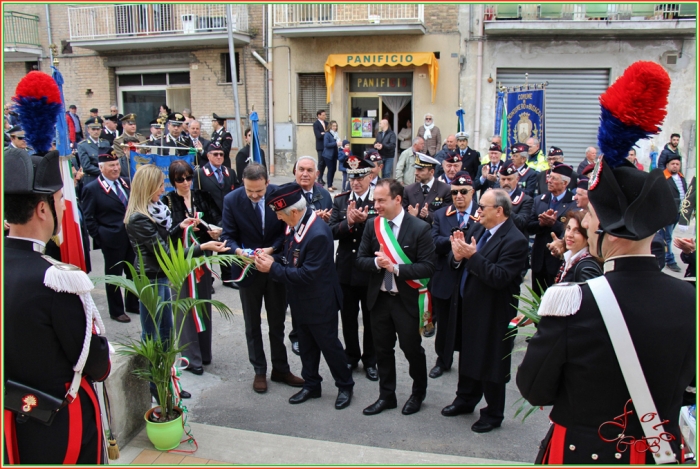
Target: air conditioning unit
[188, 23]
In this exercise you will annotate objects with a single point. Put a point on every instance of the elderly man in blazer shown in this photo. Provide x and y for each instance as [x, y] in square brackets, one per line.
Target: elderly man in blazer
[104, 205]
[492, 256]
[427, 194]
[249, 225]
[392, 301]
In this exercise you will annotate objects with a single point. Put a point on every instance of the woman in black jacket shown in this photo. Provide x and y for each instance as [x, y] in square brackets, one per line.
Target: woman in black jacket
[185, 203]
[578, 265]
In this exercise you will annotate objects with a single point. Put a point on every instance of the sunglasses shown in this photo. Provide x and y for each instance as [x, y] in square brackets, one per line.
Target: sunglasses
[461, 191]
[18, 137]
[486, 206]
[218, 153]
[183, 179]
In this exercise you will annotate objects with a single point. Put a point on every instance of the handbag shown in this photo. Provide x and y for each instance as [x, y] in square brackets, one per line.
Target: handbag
[29, 402]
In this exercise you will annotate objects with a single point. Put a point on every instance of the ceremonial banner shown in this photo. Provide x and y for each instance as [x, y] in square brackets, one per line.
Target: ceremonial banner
[381, 59]
[136, 160]
[525, 116]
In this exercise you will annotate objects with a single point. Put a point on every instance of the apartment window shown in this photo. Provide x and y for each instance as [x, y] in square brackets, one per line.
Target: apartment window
[226, 66]
[150, 79]
[312, 96]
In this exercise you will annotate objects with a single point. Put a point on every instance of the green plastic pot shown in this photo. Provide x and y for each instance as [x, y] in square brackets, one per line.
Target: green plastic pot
[166, 435]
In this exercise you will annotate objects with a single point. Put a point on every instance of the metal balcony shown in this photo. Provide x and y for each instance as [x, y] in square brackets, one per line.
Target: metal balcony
[314, 20]
[140, 26]
[590, 19]
[21, 37]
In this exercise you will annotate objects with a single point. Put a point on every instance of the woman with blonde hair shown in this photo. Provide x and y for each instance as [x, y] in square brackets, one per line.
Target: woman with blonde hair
[149, 224]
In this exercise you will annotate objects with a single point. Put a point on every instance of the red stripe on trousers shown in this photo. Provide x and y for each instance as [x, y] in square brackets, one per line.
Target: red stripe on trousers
[75, 430]
[98, 420]
[556, 445]
[636, 457]
[11, 438]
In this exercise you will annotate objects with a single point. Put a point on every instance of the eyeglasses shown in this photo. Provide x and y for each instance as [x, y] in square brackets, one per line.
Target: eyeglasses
[183, 179]
[486, 206]
[218, 153]
[461, 191]
[18, 137]
[428, 118]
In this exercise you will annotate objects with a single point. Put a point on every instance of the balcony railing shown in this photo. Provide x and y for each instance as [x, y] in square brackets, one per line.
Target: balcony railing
[590, 11]
[115, 21]
[20, 29]
[309, 15]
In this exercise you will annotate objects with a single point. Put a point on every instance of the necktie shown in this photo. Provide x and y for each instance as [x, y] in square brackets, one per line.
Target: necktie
[462, 219]
[388, 276]
[120, 193]
[259, 213]
[309, 196]
[219, 176]
[493, 169]
[426, 189]
[553, 203]
[465, 273]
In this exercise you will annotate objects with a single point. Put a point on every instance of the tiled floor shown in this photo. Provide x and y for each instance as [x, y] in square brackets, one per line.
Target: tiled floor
[153, 457]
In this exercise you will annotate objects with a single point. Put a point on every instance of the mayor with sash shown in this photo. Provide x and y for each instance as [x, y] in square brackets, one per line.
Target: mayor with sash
[399, 254]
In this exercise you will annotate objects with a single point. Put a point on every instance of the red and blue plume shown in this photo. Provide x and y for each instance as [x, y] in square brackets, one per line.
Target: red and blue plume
[38, 104]
[632, 109]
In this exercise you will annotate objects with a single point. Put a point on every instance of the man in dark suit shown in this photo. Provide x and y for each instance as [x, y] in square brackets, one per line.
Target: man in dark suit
[461, 215]
[320, 127]
[317, 197]
[451, 165]
[313, 292]
[352, 212]
[393, 296]
[471, 159]
[222, 137]
[217, 180]
[521, 202]
[179, 143]
[375, 158]
[200, 143]
[486, 176]
[547, 217]
[528, 177]
[250, 225]
[89, 149]
[385, 144]
[494, 253]
[104, 205]
[427, 194]
[120, 143]
[109, 132]
[555, 156]
[243, 154]
[156, 137]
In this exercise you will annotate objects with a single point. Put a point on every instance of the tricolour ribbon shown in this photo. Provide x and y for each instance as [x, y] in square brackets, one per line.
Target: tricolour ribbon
[393, 250]
[190, 239]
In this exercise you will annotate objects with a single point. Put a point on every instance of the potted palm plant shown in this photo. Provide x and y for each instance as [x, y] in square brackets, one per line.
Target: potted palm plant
[158, 355]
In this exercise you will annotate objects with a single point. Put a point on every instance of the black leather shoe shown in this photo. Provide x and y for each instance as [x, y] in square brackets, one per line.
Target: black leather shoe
[429, 333]
[295, 348]
[304, 395]
[380, 405]
[197, 370]
[483, 427]
[436, 372]
[453, 410]
[206, 362]
[185, 395]
[233, 285]
[413, 404]
[343, 399]
[122, 318]
[371, 373]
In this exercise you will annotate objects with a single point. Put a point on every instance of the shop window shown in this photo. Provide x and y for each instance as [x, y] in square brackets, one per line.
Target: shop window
[312, 97]
[226, 66]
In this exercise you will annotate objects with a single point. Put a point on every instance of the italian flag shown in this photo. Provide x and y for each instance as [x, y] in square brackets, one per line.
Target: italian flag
[70, 238]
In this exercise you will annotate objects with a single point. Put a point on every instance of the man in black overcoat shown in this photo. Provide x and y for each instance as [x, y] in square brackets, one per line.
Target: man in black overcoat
[422, 198]
[494, 253]
[46, 329]
[393, 303]
[522, 203]
[104, 205]
[313, 292]
[353, 211]
[461, 215]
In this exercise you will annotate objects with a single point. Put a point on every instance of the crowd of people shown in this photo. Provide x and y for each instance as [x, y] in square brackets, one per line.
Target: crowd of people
[436, 245]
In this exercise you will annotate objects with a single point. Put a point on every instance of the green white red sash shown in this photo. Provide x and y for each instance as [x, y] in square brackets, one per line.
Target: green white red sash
[393, 250]
[189, 238]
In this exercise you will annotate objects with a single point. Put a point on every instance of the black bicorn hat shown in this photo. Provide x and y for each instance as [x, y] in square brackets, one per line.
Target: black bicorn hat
[285, 196]
[356, 167]
[630, 203]
[31, 174]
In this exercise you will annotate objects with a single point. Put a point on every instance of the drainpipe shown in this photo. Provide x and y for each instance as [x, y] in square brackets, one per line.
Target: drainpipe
[270, 96]
[479, 70]
[48, 27]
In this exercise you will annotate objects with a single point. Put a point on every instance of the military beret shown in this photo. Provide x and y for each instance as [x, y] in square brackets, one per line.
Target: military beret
[94, 110]
[495, 147]
[107, 156]
[452, 156]
[462, 178]
[582, 183]
[508, 169]
[563, 169]
[285, 196]
[555, 151]
[111, 117]
[373, 155]
[214, 146]
[519, 148]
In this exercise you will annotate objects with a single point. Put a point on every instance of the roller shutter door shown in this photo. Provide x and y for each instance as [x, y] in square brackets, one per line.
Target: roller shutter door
[572, 111]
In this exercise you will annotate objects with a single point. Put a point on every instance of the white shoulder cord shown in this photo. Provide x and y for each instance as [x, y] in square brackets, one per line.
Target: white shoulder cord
[631, 369]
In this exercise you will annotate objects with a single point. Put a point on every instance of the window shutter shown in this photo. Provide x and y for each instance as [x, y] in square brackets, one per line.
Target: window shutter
[312, 97]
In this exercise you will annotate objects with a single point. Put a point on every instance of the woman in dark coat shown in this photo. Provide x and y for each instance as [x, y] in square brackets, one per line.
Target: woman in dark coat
[578, 264]
[331, 141]
[184, 203]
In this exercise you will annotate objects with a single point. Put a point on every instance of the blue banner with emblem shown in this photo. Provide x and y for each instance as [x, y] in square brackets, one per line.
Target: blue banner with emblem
[136, 160]
[525, 116]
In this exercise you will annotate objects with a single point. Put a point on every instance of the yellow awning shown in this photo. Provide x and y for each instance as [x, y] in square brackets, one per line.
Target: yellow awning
[380, 59]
